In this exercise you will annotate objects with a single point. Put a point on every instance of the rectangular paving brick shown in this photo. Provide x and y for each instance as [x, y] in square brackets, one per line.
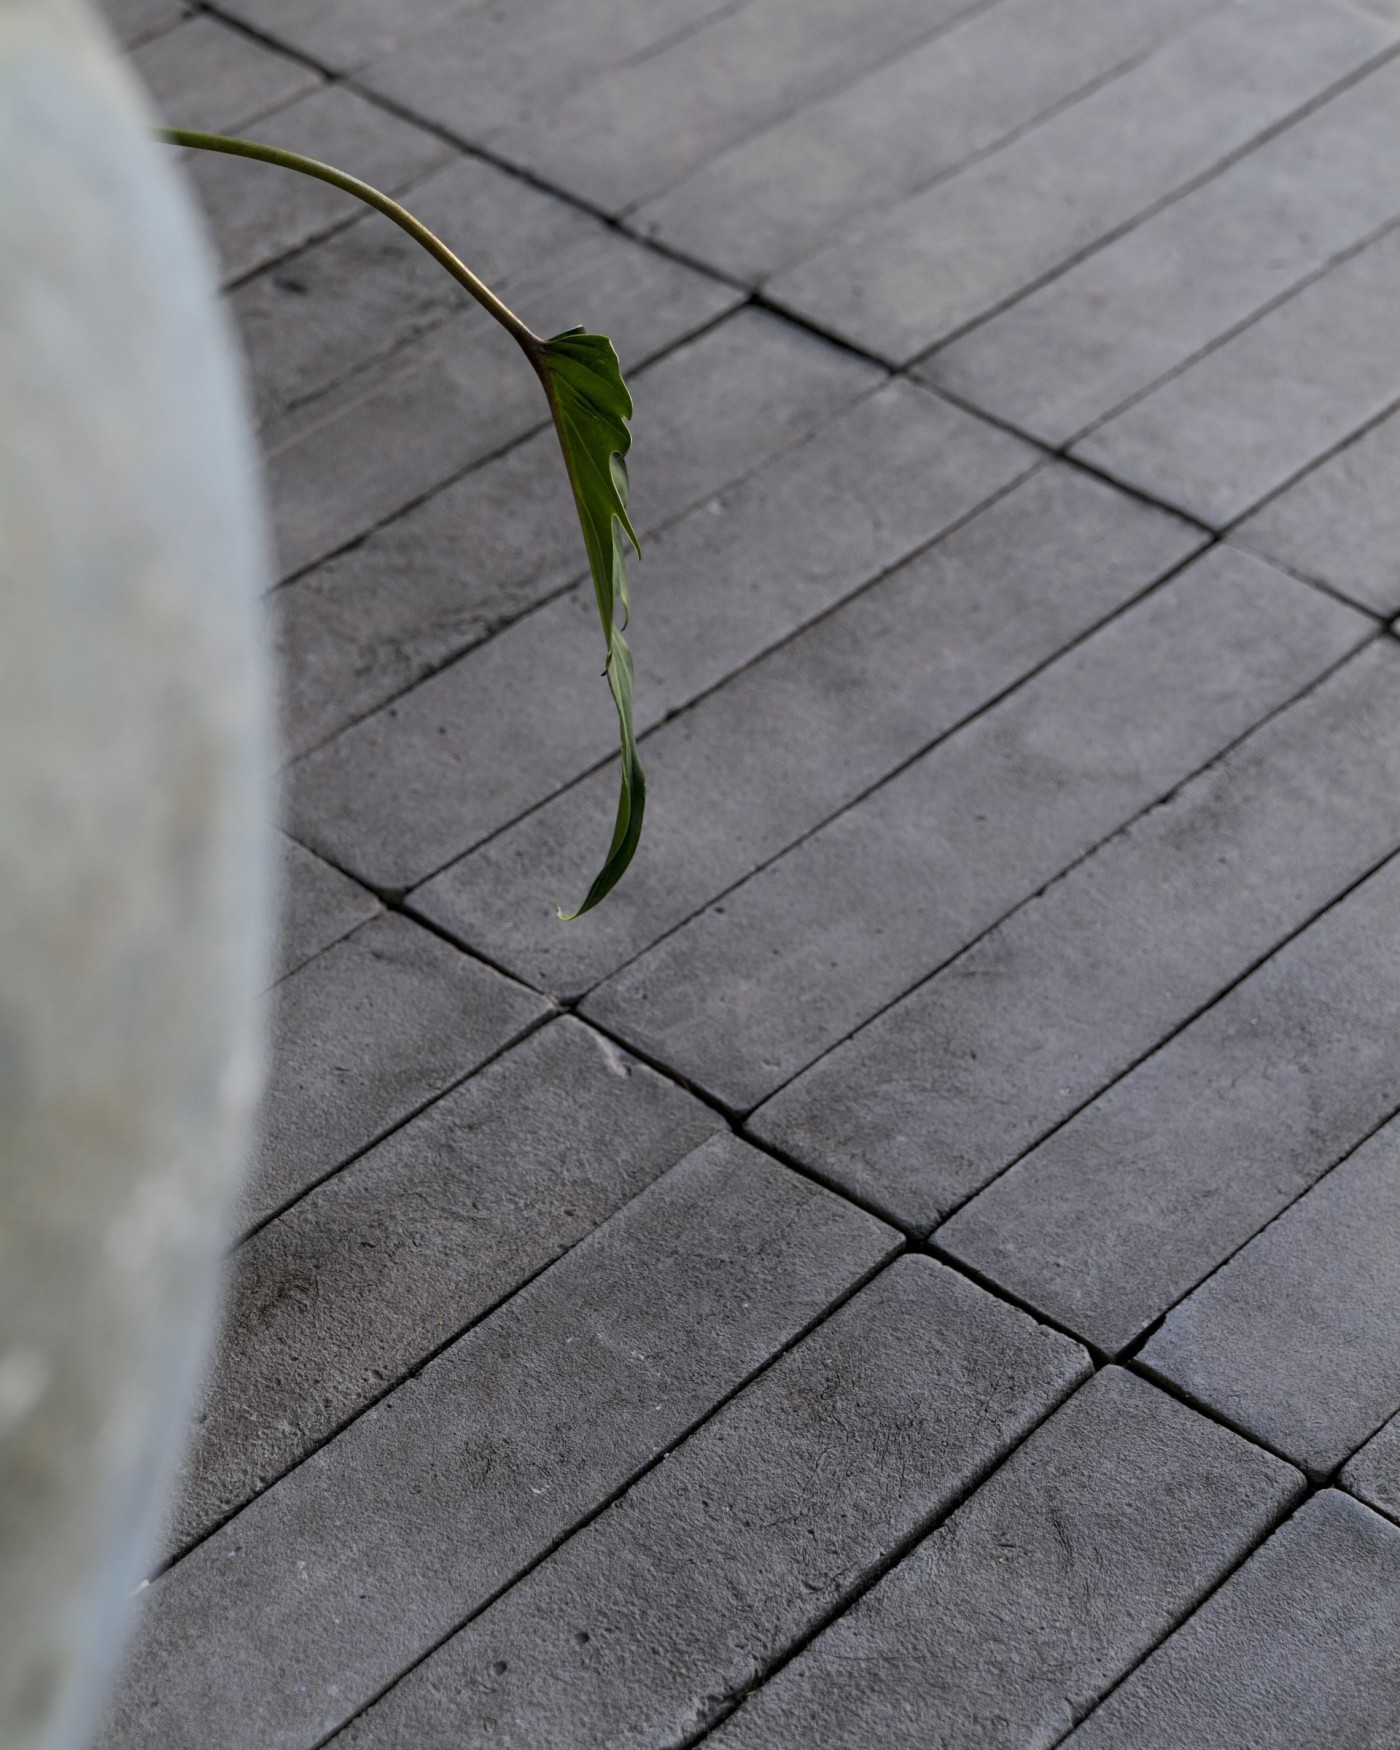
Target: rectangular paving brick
[371, 447]
[362, 628]
[496, 65]
[278, 1628]
[1341, 522]
[776, 196]
[640, 126]
[363, 1035]
[132, 21]
[1297, 1339]
[1297, 1649]
[407, 790]
[344, 33]
[334, 1302]
[646, 1623]
[936, 1096]
[1067, 1566]
[317, 905]
[1109, 327]
[1123, 1211]
[1374, 1473]
[257, 212]
[834, 710]
[205, 75]
[901, 281]
[786, 966]
[1243, 420]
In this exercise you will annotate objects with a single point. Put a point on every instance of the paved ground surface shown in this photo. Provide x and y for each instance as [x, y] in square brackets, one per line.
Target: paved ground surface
[922, 1265]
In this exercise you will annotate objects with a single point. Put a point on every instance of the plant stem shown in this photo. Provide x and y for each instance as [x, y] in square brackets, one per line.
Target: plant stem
[529, 341]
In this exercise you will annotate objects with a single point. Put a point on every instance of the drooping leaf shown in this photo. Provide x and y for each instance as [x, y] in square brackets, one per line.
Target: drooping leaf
[591, 408]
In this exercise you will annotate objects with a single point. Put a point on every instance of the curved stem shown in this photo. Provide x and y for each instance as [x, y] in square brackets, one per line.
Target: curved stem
[530, 342]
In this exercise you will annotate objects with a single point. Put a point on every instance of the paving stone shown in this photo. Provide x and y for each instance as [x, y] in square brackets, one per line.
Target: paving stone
[258, 213]
[1109, 327]
[278, 1628]
[902, 280]
[1298, 1649]
[646, 1623]
[343, 34]
[1341, 522]
[204, 75]
[362, 628]
[317, 906]
[405, 791]
[833, 711]
[1246, 418]
[935, 1097]
[132, 21]
[777, 195]
[370, 288]
[334, 1302]
[641, 125]
[1296, 1340]
[369, 448]
[1374, 1473]
[752, 990]
[363, 1035]
[501, 62]
[1011, 1620]
[1124, 1210]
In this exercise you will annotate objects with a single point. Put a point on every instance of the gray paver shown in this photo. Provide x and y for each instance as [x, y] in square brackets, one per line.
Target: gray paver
[921, 1108]
[317, 906]
[344, 33]
[639, 127]
[355, 456]
[1374, 1473]
[257, 213]
[405, 791]
[498, 64]
[1297, 1339]
[362, 628]
[280, 1626]
[1244, 419]
[132, 21]
[641, 1628]
[776, 196]
[1068, 1565]
[1112, 325]
[834, 710]
[752, 990]
[1295, 1651]
[903, 280]
[363, 1035]
[1123, 1211]
[204, 75]
[335, 1301]
[1341, 522]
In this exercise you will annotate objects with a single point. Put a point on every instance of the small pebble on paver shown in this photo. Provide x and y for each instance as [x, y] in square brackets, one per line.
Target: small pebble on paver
[1295, 1651]
[1005, 1625]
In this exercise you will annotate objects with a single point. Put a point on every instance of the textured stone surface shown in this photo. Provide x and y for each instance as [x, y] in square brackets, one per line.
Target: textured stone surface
[1129, 314]
[405, 791]
[317, 906]
[1246, 418]
[132, 21]
[931, 1100]
[294, 1615]
[1374, 1473]
[835, 710]
[344, 33]
[1123, 1211]
[1007, 1623]
[333, 1303]
[913, 275]
[1296, 1650]
[364, 1035]
[204, 75]
[749, 992]
[645, 1624]
[355, 632]
[1302, 1354]
[777, 195]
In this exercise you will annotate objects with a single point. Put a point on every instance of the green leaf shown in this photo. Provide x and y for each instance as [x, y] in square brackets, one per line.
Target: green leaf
[591, 408]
